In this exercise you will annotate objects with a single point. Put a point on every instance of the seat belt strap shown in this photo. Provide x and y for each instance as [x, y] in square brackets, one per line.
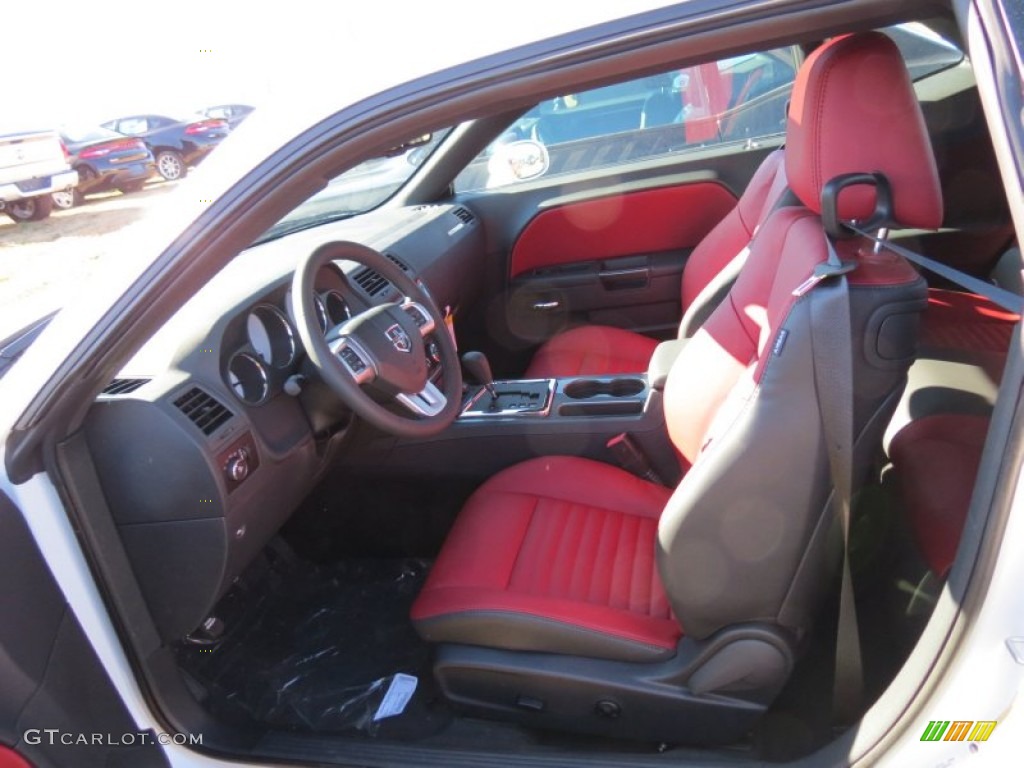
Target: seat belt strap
[832, 354]
[1006, 299]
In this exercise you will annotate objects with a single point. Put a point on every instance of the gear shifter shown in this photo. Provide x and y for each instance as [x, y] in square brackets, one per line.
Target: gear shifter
[479, 369]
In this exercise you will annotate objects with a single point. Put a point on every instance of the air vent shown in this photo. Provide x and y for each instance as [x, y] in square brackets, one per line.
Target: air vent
[371, 281]
[464, 214]
[395, 260]
[123, 386]
[203, 410]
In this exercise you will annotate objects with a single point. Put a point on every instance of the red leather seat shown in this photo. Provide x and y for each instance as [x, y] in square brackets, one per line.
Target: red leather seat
[958, 320]
[601, 349]
[936, 455]
[563, 549]
[935, 461]
[572, 595]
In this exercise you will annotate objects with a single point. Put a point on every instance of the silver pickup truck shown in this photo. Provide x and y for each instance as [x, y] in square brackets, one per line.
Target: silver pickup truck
[32, 165]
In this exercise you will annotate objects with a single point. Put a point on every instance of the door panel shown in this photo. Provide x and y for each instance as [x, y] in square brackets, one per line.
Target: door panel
[51, 678]
[637, 292]
[609, 226]
[612, 260]
[635, 176]
[547, 270]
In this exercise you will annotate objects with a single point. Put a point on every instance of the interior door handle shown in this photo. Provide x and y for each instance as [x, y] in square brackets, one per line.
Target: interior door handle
[546, 306]
[620, 279]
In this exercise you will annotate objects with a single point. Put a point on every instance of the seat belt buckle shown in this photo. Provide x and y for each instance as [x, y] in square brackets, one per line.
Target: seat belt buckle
[632, 458]
[824, 271]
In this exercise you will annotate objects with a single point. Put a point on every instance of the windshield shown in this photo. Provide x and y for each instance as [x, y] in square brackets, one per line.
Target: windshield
[357, 190]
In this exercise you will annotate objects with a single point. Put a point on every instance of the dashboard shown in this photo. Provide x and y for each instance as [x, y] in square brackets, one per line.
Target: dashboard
[263, 366]
[219, 427]
[268, 360]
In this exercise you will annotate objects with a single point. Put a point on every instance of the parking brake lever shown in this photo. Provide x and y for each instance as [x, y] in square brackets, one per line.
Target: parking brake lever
[476, 365]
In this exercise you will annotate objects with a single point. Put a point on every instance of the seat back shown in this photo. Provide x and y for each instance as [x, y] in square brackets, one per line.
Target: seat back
[747, 536]
[714, 263]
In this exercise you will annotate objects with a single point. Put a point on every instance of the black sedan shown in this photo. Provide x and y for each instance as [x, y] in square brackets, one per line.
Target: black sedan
[104, 160]
[176, 143]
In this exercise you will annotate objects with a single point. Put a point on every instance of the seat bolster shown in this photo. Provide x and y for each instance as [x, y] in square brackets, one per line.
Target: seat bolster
[498, 618]
[582, 481]
[592, 350]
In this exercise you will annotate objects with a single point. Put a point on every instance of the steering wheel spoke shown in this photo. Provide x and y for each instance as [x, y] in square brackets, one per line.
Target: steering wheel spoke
[429, 401]
[359, 363]
[383, 346]
[420, 315]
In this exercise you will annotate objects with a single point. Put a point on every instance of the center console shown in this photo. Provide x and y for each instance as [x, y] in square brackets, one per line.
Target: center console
[522, 419]
[615, 418]
[582, 396]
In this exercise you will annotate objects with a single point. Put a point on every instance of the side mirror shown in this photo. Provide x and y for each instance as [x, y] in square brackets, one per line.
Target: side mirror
[517, 161]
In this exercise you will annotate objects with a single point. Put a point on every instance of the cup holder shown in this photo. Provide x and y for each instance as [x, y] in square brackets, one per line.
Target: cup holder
[584, 389]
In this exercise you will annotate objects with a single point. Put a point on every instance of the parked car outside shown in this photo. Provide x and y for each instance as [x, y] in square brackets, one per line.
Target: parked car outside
[33, 164]
[233, 113]
[104, 160]
[176, 144]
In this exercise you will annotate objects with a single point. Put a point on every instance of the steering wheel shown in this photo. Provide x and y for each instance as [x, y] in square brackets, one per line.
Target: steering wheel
[380, 351]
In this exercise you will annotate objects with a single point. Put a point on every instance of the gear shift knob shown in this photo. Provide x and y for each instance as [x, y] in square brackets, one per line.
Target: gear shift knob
[478, 368]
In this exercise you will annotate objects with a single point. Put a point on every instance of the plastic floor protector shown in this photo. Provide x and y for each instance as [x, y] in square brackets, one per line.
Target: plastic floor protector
[323, 648]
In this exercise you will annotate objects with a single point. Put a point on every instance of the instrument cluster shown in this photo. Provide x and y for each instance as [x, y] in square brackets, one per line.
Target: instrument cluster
[261, 366]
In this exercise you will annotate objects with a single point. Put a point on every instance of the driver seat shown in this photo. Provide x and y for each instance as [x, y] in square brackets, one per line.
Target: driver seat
[573, 595]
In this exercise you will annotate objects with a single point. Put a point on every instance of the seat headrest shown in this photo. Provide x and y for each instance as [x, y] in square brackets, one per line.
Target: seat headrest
[854, 110]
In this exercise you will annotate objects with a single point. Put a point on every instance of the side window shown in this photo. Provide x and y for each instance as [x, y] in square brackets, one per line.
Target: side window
[132, 126]
[739, 99]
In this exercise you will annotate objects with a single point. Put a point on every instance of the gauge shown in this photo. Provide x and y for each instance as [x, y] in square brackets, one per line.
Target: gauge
[321, 314]
[337, 308]
[248, 379]
[271, 336]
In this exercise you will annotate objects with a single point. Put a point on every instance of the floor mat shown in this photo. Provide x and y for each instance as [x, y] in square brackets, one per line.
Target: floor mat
[318, 647]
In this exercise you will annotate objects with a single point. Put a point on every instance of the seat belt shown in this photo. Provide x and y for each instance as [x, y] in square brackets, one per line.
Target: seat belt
[1006, 299]
[832, 356]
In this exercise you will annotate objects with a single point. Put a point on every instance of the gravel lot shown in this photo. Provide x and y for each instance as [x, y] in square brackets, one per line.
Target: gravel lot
[43, 263]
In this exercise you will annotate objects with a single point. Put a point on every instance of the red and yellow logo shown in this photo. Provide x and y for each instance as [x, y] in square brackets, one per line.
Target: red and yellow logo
[959, 730]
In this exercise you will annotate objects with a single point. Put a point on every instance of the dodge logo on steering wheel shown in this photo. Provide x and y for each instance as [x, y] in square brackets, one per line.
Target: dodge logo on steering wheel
[399, 338]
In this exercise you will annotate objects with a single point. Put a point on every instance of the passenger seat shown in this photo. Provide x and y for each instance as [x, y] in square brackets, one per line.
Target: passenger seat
[599, 349]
